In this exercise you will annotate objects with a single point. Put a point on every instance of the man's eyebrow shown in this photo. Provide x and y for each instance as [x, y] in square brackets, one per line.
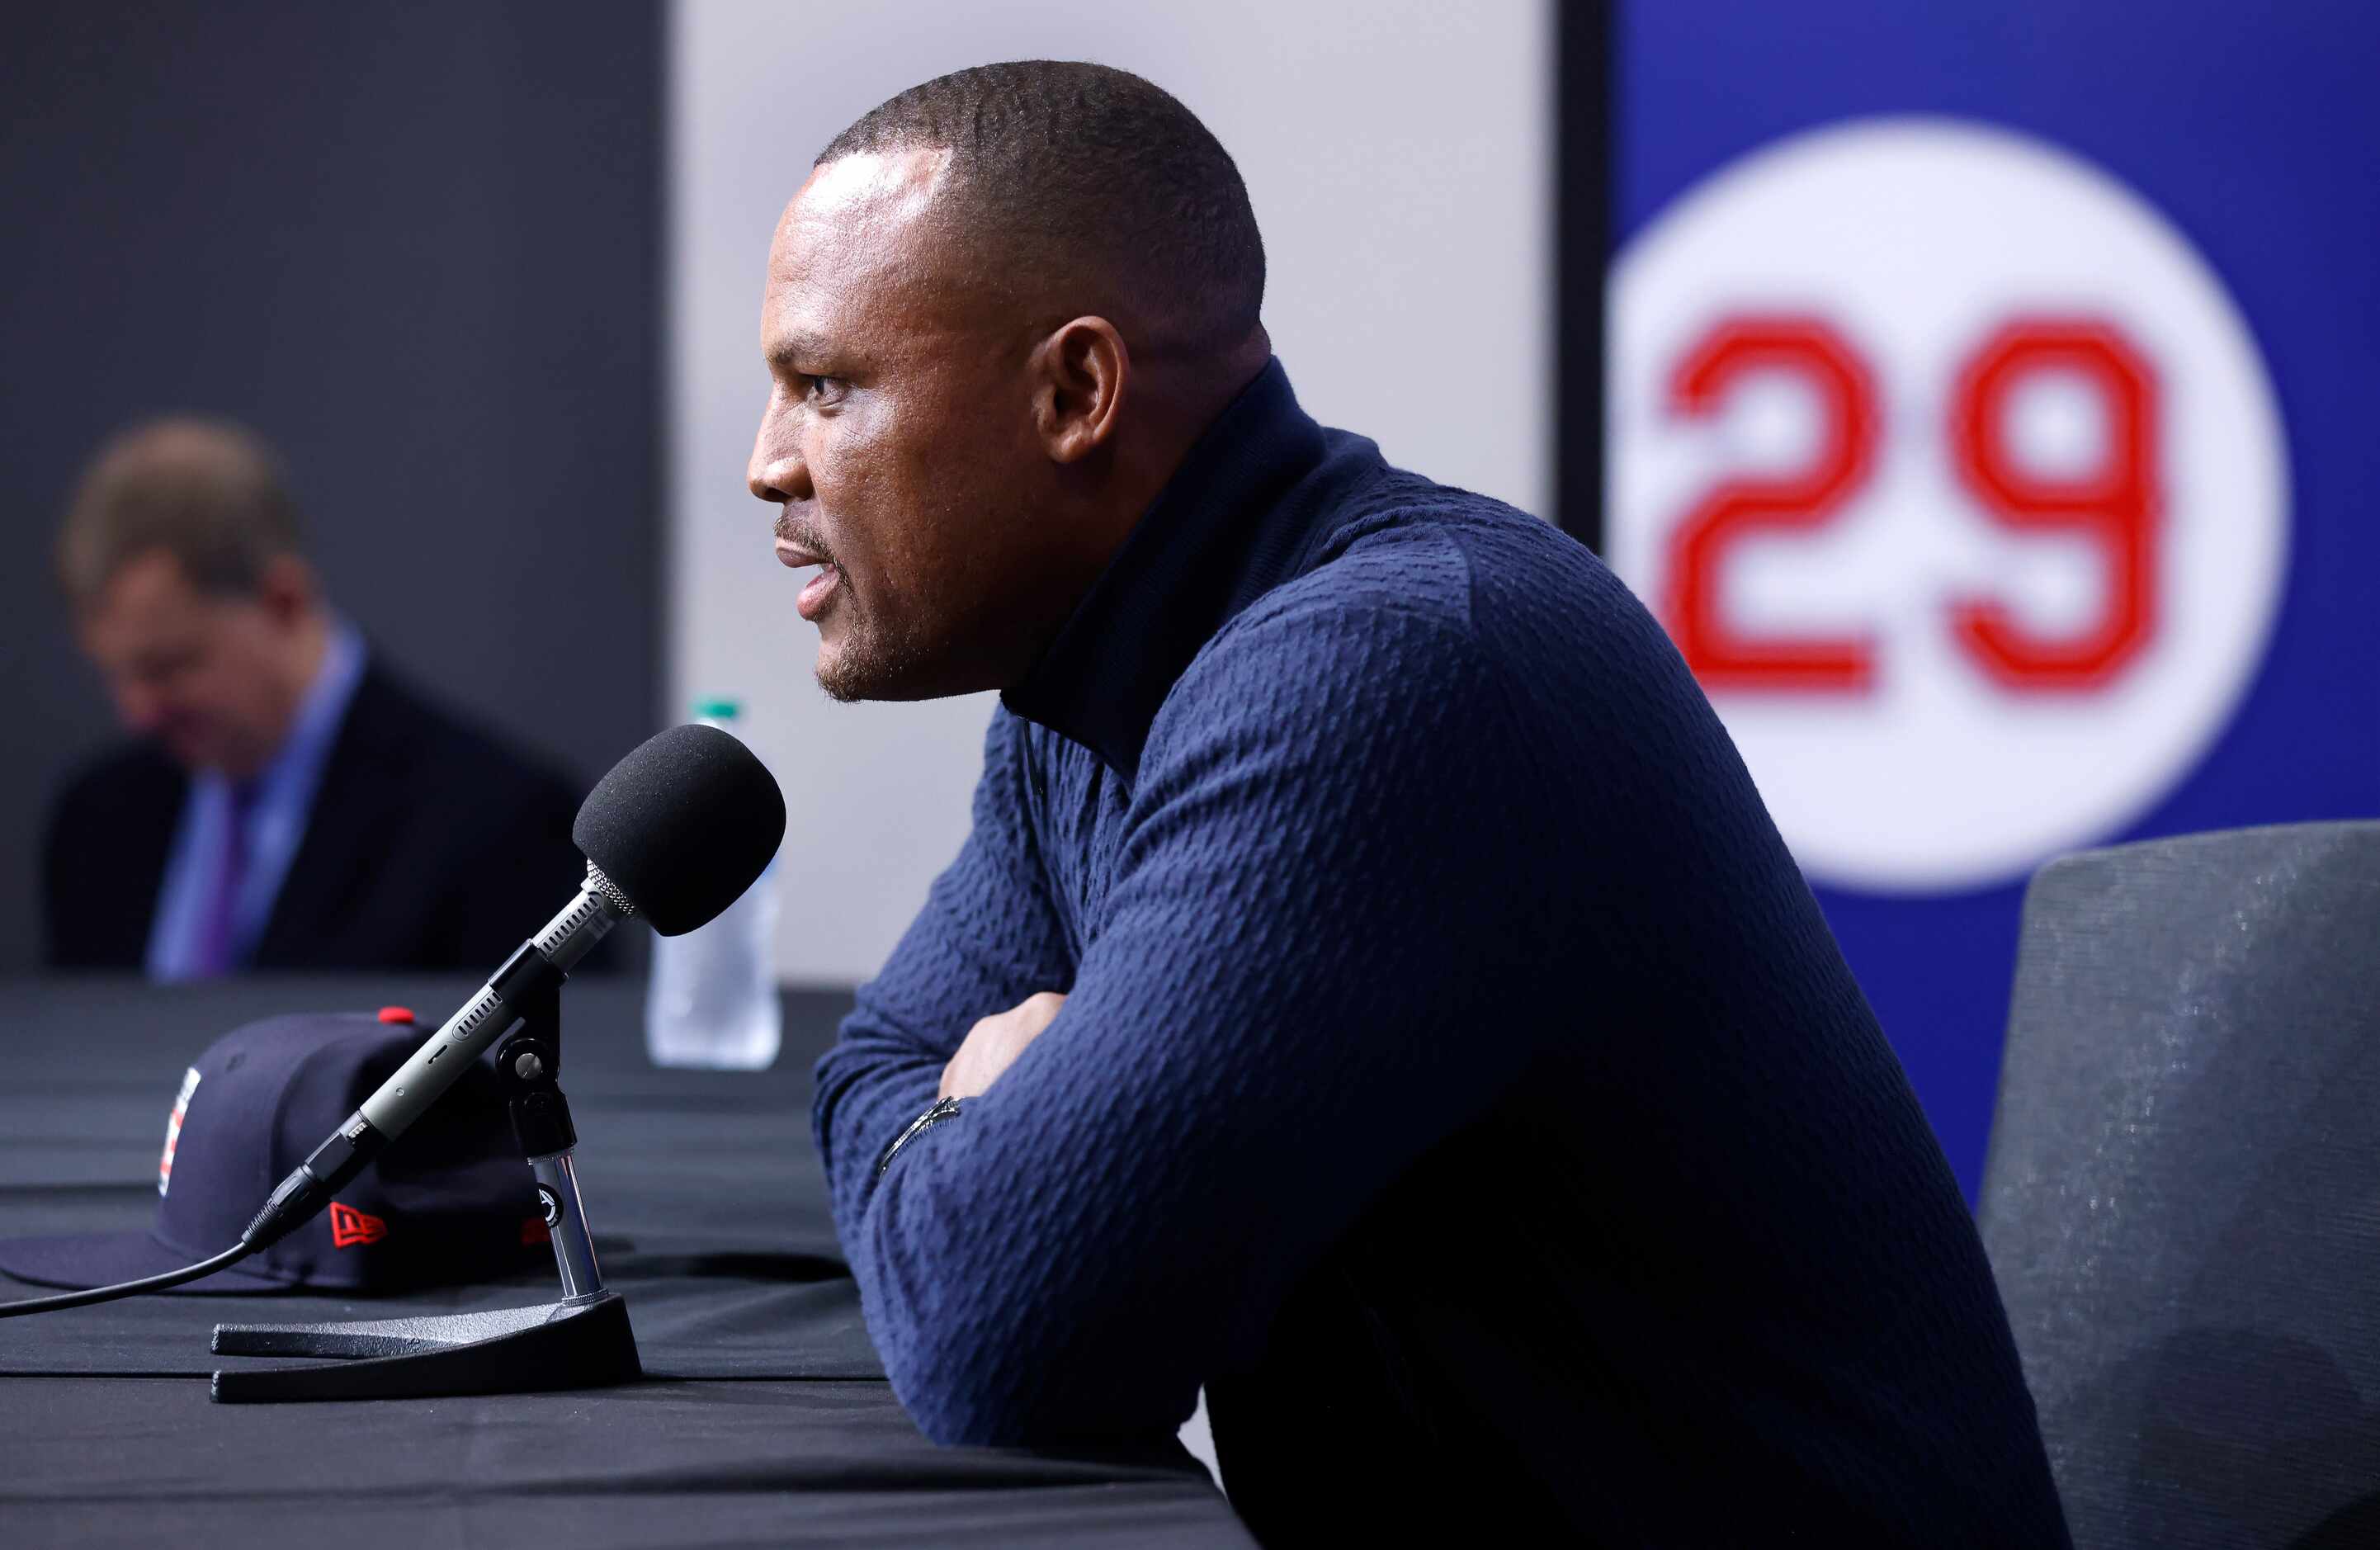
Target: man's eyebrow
[784, 349]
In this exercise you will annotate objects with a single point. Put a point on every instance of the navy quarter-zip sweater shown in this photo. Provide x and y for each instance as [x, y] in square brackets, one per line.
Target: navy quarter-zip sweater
[1456, 1076]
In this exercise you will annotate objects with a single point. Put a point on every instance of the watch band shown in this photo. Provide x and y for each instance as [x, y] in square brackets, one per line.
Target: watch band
[941, 1109]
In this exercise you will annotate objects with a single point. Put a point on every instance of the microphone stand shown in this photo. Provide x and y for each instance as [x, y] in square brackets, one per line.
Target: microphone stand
[581, 1341]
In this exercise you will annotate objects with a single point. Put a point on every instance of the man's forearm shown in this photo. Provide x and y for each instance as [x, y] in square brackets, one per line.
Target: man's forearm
[975, 1291]
[869, 1086]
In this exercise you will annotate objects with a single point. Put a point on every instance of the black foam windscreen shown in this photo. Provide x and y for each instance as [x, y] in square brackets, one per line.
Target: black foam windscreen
[683, 824]
[2182, 1199]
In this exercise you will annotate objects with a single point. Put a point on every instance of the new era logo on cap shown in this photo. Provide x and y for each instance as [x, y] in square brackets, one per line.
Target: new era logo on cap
[350, 1227]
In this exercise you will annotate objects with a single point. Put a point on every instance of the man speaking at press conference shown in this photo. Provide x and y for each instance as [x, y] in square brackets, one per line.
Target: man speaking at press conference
[1372, 988]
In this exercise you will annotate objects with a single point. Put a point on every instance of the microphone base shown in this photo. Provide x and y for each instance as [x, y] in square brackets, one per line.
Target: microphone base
[582, 1343]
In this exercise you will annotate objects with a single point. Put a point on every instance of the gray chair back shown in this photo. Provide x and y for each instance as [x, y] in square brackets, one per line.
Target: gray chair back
[2183, 1197]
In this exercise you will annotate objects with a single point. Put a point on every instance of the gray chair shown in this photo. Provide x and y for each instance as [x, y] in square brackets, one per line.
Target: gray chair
[2183, 1197]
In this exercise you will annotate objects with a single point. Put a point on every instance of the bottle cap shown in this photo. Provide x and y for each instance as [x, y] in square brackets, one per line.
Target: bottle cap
[717, 710]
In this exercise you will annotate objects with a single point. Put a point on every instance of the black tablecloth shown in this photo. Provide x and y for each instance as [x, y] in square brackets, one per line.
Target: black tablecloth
[763, 1419]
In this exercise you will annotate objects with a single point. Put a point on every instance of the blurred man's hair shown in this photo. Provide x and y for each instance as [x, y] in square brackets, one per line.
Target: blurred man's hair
[1082, 166]
[207, 491]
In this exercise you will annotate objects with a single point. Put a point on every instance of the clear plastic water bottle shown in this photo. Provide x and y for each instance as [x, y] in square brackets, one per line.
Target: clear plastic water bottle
[713, 999]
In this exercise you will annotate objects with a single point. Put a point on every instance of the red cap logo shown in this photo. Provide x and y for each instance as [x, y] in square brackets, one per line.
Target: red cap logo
[350, 1227]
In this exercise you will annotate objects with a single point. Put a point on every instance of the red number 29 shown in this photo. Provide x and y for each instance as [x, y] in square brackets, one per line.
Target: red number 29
[2115, 506]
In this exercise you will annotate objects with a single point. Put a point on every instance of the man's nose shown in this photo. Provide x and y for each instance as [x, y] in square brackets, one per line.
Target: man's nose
[778, 473]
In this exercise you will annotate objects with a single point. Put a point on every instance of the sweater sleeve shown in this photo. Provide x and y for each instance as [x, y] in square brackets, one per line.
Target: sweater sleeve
[987, 938]
[1291, 998]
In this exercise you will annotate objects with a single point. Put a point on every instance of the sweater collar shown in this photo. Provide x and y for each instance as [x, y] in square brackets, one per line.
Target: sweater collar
[1235, 520]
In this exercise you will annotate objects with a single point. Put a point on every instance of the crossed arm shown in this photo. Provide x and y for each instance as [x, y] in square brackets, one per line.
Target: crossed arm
[1290, 997]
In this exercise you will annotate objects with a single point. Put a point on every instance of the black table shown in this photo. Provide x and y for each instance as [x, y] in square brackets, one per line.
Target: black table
[763, 1418]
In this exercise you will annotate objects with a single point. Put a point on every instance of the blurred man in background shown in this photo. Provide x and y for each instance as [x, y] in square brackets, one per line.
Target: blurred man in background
[289, 803]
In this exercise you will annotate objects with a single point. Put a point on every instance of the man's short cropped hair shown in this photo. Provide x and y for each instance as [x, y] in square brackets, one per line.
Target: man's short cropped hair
[1071, 164]
[208, 492]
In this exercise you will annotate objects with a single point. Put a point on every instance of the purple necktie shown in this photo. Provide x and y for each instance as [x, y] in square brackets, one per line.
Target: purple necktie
[216, 929]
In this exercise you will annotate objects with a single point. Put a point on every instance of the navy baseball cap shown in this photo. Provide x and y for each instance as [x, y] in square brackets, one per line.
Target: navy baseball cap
[451, 1201]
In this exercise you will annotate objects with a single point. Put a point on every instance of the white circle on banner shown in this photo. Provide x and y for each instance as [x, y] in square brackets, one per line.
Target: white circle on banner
[1878, 379]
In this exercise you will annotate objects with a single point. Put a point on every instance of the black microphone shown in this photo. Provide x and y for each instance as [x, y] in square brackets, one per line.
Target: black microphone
[676, 833]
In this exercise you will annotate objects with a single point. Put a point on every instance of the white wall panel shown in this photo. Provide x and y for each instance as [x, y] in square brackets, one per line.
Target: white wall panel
[1399, 157]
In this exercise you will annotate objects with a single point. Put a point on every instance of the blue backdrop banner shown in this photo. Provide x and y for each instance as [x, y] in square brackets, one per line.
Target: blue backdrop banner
[1990, 418]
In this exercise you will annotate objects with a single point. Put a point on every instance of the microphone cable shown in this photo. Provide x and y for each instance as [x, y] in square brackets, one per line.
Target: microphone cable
[295, 1200]
[232, 1255]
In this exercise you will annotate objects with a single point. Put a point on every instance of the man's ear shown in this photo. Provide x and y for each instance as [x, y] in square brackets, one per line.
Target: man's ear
[1081, 372]
[288, 588]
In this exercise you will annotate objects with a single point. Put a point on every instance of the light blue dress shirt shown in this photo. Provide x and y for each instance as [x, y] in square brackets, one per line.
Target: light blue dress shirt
[274, 822]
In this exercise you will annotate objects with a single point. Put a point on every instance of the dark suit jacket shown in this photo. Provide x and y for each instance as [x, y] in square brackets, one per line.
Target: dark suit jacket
[428, 847]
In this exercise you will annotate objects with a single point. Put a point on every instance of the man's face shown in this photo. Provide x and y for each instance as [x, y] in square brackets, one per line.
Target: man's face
[205, 675]
[898, 441]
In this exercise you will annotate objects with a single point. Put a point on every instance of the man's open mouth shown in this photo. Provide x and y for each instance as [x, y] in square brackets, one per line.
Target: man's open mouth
[820, 588]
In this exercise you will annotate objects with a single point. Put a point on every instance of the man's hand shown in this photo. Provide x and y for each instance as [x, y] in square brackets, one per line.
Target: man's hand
[996, 1041]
